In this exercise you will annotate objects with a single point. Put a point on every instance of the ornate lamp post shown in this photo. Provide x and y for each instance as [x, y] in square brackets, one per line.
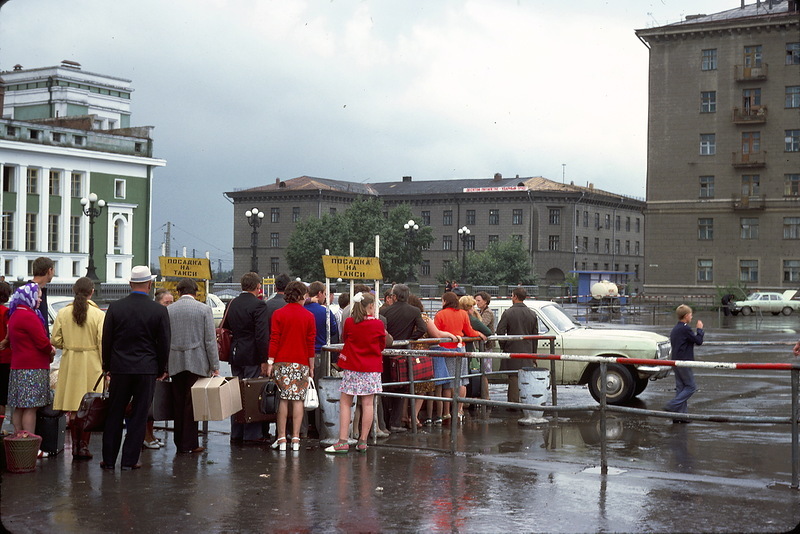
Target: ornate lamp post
[411, 229]
[463, 233]
[92, 208]
[254, 218]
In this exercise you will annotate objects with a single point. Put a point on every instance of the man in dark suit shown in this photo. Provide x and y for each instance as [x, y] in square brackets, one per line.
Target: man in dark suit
[517, 320]
[136, 337]
[247, 319]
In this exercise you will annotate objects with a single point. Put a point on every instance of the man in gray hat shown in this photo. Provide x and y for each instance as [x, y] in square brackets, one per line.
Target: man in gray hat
[136, 339]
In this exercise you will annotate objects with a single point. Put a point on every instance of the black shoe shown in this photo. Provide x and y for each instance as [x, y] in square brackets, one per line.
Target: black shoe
[131, 467]
[680, 421]
[106, 466]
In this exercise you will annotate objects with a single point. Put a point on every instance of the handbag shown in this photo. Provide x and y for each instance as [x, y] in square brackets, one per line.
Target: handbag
[269, 398]
[224, 339]
[311, 402]
[163, 406]
[93, 411]
[398, 368]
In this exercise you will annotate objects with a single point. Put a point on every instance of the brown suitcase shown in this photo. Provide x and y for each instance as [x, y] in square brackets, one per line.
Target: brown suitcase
[251, 401]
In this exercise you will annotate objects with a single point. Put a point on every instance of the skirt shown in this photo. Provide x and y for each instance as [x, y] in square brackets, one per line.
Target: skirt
[444, 367]
[357, 383]
[292, 380]
[29, 388]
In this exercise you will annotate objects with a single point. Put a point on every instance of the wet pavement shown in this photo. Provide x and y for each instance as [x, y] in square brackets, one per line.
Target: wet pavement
[663, 477]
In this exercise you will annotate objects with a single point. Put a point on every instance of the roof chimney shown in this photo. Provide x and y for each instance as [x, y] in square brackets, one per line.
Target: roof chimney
[406, 179]
[498, 176]
[277, 181]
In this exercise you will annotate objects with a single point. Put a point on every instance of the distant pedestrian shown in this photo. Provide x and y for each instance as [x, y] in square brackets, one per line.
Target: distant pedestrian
[683, 341]
[519, 319]
[136, 336]
[482, 300]
[291, 360]
[192, 355]
[364, 340]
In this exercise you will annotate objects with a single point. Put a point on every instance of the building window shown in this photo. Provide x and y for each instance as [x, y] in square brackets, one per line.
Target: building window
[55, 183]
[494, 217]
[608, 222]
[793, 96]
[751, 99]
[555, 215]
[597, 244]
[586, 219]
[137, 147]
[447, 242]
[332, 211]
[607, 247]
[793, 53]
[636, 248]
[119, 236]
[8, 231]
[638, 225]
[30, 232]
[791, 185]
[517, 237]
[708, 102]
[749, 226]
[118, 269]
[705, 229]
[627, 224]
[32, 184]
[709, 59]
[11, 132]
[791, 270]
[706, 187]
[119, 188]
[751, 184]
[75, 233]
[751, 142]
[30, 267]
[791, 227]
[52, 233]
[792, 140]
[296, 214]
[274, 240]
[553, 242]
[494, 239]
[469, 242]
[35, 134]
[586, 244]
[80, 140]
[708, 144]
[618, 223]
[705, 270]
[76, 185]
[274, 265]
[76, 268]
[616, 247]
[752, 56]
[447, 218]
[425, 269]
[9, 179]
[446, 265]
[275, 216]
[426, 218]
[516, 216]
[57, 137]
[627, 248]
[597, 221]
[748, 270]
[471, 217]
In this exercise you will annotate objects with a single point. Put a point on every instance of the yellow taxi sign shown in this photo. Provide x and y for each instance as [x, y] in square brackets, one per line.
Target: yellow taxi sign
[172, 286]
[197, 268]
[352, 268]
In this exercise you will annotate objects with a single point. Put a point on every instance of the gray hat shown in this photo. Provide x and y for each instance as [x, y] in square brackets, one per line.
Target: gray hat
[141, 273]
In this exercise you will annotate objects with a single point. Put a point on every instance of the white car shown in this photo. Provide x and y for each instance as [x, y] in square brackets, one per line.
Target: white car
[623, 382]
[767, 302]
[217, 308]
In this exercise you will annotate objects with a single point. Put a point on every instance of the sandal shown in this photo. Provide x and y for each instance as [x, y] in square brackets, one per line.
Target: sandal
[361, 446]
[279, 444]
[295, 444]
[338, 447]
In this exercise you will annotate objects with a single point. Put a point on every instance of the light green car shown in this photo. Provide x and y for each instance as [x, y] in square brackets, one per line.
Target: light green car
[767, 302]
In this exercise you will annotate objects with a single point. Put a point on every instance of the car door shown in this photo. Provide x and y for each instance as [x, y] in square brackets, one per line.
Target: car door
[547, 329]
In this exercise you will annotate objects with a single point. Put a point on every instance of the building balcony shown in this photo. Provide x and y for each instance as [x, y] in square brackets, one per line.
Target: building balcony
[751, 202]
[752, 115]
[754, 160]
[749, 74]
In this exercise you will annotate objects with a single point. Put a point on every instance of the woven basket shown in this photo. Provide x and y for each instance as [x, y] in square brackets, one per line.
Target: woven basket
[21, 452]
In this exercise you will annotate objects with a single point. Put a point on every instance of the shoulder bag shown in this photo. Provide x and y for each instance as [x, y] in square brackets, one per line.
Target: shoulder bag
[93, 411]
[311, 402]
[224, 339]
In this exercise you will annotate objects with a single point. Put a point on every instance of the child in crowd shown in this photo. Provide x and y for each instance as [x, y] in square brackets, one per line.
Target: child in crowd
[364, 339]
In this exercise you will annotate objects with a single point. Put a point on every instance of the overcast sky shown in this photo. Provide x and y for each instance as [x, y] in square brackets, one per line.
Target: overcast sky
[243, 92]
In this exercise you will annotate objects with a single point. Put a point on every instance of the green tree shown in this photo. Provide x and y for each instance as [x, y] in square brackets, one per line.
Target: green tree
[502, 263]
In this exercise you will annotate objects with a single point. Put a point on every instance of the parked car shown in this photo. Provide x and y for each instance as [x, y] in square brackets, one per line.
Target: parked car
[623, 382]
[217, 308]
[767, 302]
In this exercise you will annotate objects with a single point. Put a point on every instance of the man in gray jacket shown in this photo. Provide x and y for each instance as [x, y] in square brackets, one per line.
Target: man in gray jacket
[192, 355]
[517, 320]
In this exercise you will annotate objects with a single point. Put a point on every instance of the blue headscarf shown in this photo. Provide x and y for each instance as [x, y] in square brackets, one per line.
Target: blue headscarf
[27, 295]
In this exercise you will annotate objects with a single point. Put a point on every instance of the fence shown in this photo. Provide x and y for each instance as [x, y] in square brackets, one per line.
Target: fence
[793, 419]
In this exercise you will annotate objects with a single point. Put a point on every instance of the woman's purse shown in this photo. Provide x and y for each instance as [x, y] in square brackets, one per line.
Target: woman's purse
[311, 402]
[93, 411]
[269, 398]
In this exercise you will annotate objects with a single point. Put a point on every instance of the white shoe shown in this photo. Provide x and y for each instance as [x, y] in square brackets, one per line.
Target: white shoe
[295, 444]
[279, 444]
[152, 444]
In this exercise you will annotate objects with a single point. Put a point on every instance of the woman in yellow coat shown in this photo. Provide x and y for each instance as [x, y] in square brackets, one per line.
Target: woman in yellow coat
[78, 331]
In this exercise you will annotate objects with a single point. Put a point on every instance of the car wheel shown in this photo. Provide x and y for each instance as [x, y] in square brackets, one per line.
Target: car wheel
[641, 385]
[619, 384]
[747, 310]
[776, 313]
[786, 311]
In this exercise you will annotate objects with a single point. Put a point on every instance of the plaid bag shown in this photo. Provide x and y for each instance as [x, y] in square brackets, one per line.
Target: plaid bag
[398, 368]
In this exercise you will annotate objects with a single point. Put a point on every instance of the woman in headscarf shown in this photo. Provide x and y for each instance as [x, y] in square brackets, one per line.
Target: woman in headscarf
[78, 331]
[31, 356]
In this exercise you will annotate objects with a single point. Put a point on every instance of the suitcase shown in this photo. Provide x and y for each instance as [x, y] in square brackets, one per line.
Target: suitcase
[163, 407]
[251, 402]
[53, 430]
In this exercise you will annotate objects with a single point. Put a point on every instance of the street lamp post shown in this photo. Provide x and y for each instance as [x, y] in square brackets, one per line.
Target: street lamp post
[463, 233]
[411, 229]
[254, 218]
[92, 208]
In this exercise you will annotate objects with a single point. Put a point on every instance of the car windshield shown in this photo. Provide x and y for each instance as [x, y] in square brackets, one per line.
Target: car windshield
[558, 317]
[753, 296]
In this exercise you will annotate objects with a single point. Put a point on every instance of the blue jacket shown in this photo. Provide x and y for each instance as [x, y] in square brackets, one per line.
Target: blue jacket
[319, 317]
[683, 341]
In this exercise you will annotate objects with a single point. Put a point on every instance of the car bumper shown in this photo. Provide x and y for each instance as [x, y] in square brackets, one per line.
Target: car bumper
[653, 372]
